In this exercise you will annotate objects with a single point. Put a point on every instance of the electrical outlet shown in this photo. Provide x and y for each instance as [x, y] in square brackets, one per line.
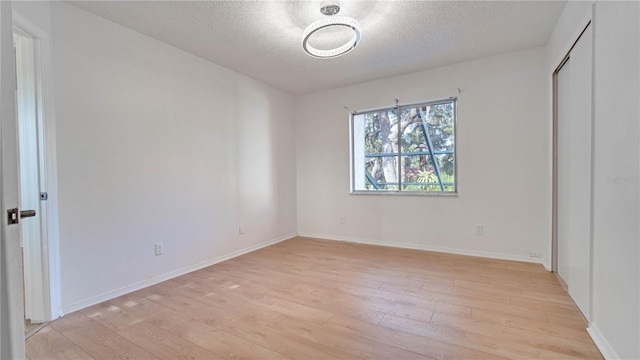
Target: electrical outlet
[159, 248]
[343, 220]
[241, 229]
[479, 230]
[535, 254]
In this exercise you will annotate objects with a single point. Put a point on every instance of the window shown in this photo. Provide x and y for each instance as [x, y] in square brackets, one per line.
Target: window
[405, 149]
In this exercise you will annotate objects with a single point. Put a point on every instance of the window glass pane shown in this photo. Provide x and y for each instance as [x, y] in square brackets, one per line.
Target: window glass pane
[418, 174]
[440, 122]
[381, 150]
[427, 148]
[447, 171]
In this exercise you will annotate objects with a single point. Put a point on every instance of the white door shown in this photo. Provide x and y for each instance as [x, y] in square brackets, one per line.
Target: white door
[11, 306]
[574, 172]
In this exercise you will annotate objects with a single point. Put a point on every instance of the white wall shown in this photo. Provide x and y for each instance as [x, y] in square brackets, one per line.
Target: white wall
[155, 144]
[574, 18]
[36, 12]
[503, 152]
[615, 324]
[616, 211]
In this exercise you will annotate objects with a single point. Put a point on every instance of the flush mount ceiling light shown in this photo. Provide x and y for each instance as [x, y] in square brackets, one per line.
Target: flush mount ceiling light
[330, 9]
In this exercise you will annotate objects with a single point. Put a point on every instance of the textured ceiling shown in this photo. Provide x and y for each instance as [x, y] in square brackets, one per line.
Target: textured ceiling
[261, 39]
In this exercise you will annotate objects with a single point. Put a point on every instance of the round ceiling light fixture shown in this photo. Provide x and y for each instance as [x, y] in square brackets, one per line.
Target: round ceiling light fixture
[330, 9]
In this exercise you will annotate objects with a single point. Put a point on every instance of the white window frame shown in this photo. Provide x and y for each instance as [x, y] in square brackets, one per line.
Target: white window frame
[356, 152]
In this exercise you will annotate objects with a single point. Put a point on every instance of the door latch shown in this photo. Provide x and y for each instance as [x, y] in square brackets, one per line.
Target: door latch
[12, 216]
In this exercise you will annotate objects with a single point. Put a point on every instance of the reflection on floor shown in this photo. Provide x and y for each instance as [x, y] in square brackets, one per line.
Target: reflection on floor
[317, 299]
[30, 329]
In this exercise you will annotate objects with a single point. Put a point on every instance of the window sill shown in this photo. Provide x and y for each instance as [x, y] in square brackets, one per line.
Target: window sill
[404, 193]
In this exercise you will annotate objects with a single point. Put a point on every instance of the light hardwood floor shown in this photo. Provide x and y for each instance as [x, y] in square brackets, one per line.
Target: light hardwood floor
[314, 299]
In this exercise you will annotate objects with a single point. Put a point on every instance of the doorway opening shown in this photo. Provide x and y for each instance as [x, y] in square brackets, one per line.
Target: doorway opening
[36, 150]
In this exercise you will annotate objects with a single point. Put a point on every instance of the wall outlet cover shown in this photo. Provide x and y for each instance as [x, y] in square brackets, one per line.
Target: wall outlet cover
[159, 248]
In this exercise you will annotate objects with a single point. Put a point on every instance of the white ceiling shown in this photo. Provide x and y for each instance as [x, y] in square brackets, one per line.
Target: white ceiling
[261, 39]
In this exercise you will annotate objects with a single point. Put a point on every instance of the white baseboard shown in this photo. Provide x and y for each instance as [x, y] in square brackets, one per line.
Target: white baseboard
[477, 253]
[79, 305]
[602, 343]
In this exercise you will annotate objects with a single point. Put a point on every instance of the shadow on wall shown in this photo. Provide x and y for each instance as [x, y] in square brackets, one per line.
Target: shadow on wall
[256, 162]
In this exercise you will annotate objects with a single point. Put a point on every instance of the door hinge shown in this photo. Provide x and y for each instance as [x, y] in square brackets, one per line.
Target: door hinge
[12, 216]
[44, 196]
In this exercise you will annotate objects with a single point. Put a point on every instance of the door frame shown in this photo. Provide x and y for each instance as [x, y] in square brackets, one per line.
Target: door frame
[554, 212]
[554, 145]
[48, 174]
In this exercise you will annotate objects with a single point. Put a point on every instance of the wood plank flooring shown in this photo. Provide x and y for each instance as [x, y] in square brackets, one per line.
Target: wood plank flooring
[313, 299]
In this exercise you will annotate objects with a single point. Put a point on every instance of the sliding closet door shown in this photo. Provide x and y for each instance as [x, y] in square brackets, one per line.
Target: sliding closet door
[573, 175]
